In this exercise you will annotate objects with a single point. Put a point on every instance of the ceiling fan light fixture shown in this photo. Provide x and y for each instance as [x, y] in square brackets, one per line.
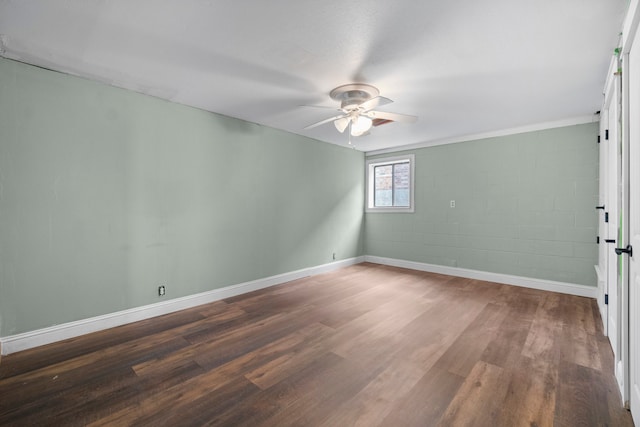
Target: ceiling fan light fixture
[357, 110]
[361, 125]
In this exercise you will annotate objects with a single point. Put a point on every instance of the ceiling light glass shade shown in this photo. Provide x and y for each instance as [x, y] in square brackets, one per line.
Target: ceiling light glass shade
[361, 125]
[341, 124]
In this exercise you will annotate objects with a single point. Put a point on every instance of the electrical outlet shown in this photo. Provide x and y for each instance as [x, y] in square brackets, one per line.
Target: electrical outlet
[452, 204]
[161, 290]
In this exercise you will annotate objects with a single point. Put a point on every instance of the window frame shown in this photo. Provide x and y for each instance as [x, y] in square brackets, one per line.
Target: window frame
[370, 184]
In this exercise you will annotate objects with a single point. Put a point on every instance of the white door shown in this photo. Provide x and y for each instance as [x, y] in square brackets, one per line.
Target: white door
[632, 71]
[617, 186]
[603, 247]
[610, 215]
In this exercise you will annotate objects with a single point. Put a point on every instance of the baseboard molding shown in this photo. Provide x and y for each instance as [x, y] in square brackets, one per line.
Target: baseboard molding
[526, 282]
[14, 343]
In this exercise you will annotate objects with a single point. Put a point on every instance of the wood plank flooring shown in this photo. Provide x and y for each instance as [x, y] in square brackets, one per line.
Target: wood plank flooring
[367, 345]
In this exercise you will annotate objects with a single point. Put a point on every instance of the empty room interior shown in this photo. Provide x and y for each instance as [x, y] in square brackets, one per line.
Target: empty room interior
[307, 213]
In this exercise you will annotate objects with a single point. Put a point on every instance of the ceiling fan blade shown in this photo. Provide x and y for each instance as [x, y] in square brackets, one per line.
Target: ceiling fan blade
[321, 122]
[374, 102]
[342, 123]
[404, 118]
[323, 107]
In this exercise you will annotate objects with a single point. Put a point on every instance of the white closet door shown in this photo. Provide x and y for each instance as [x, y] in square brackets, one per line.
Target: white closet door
[603, 247]
[633, 71]
[613, 184]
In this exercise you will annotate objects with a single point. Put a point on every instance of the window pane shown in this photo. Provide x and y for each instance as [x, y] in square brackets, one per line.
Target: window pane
[401, 175]
[383, 186]
[390, 184]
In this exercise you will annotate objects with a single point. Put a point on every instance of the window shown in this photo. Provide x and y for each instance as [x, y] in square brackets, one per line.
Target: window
[390, 184]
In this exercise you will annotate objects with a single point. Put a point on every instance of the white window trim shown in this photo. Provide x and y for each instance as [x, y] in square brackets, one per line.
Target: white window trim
[369, 182]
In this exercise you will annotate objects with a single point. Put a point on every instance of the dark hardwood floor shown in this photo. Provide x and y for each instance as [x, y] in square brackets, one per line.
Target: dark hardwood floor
[367, 345]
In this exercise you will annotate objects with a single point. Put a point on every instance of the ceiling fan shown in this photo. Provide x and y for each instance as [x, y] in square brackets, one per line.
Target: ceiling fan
[357, 103]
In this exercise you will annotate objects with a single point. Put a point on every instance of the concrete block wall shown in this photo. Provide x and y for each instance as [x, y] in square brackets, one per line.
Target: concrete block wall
[524, 205]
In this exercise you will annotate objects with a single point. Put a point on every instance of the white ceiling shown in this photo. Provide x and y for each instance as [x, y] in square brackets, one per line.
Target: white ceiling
[464, 67]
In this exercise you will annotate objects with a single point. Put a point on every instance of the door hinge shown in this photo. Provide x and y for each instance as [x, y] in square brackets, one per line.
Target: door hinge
[598, 239]
[606, 134]
[606, 217]
[606, 299]
[598, 139]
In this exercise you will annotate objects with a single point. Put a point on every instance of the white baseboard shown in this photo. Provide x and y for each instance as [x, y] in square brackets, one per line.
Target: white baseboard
[14, 343]
[526, 282]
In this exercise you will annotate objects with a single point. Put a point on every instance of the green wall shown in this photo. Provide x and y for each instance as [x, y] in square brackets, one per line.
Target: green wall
[524, 206]
[105, 194]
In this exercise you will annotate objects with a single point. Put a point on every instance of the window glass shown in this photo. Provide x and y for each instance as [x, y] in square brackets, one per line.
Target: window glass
[383, 192]
[390, 184]
[401, 188]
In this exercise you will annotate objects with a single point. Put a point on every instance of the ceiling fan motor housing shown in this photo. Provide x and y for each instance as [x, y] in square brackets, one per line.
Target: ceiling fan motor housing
[352, 95]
